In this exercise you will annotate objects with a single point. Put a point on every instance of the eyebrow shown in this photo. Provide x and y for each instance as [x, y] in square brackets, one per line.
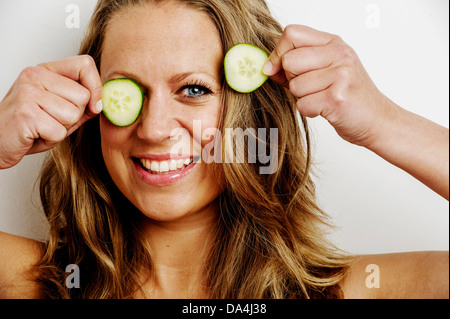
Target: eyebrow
[180, 77]
[174, 79]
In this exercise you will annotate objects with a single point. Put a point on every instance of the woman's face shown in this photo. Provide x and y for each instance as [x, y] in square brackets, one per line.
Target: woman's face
[175, 54]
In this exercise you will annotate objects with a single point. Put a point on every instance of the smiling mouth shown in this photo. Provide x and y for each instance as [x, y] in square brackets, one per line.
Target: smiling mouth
[164, 167]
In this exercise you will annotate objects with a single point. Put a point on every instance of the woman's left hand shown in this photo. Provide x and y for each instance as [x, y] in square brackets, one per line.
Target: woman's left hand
[328, 79]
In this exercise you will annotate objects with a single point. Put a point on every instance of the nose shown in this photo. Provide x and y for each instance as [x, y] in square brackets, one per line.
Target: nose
[157, 121]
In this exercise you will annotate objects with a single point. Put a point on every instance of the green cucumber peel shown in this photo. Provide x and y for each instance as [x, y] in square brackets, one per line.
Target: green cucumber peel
[243, 66]
[122, 101]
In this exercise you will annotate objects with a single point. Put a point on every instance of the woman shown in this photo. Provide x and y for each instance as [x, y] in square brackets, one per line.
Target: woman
[219, 230]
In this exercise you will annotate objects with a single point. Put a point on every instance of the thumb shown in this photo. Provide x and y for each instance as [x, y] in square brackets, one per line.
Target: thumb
[88, 115]
[274, 69]
[273, 64]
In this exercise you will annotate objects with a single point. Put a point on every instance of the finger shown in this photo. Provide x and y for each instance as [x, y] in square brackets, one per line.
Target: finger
[59, 85]
[327, 103]
[306, 59]
[46, 132]
[312, 105]
[294, 36]
[67, 114]
[77, 125]
[312, 82]
[81, 69]
[63, 111]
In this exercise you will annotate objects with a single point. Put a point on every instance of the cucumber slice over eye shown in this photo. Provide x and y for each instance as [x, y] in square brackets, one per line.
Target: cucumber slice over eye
[122, 101]
[243, 65]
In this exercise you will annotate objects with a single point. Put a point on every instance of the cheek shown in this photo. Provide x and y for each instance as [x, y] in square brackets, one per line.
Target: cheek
[114, 142]
[211, 135]
[204, 126]
[112, 136]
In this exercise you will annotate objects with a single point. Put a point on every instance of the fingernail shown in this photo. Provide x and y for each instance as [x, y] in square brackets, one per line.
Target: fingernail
[99, 106]
[268, 68]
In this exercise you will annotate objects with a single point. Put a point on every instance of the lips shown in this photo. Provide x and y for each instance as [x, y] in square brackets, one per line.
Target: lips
[163, 170]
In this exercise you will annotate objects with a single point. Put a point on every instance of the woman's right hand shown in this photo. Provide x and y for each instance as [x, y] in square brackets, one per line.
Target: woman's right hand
[46, 104]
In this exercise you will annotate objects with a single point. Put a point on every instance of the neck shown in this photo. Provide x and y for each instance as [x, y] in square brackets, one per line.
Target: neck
[180, 251]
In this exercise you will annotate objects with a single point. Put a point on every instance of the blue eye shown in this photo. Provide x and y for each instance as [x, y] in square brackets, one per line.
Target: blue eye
[195, 91]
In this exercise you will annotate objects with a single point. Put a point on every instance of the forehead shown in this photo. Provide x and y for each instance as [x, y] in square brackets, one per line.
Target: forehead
[166, 35]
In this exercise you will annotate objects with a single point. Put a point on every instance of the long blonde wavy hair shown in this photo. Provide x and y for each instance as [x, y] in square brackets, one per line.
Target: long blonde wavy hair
[270, 240]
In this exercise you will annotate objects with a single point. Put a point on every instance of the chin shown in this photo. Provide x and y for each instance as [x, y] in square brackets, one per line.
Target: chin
[176, 209]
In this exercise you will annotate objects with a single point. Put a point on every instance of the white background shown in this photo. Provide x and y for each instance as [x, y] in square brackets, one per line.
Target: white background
[404, 45]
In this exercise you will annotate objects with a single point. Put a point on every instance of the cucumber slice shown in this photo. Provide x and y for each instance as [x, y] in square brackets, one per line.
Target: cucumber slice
[243, 65]
[122, 101]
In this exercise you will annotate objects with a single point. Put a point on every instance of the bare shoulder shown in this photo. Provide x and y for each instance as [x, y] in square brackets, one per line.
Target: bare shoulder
[411, 275]
[18, 255]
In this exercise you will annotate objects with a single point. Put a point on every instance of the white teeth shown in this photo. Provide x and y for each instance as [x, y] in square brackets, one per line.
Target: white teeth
[146, 163]
[165, 166]
[173, 165]
[154, 166]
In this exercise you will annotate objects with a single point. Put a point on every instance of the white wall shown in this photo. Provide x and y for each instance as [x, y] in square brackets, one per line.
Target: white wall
[376, 207]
